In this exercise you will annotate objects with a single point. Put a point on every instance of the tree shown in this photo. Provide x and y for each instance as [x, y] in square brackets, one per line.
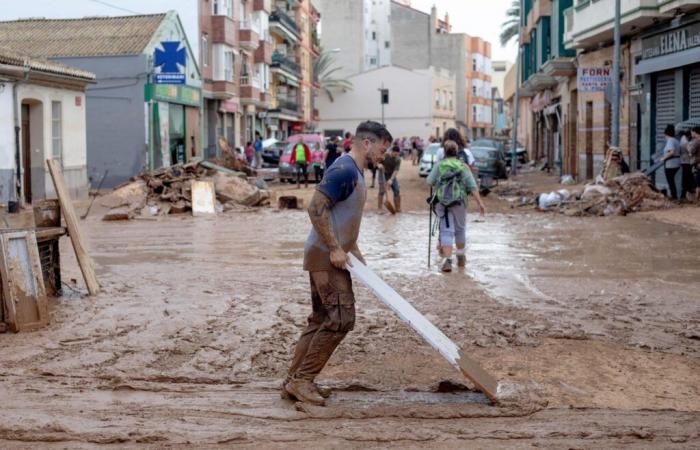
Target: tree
[324, 69]
[511, 27]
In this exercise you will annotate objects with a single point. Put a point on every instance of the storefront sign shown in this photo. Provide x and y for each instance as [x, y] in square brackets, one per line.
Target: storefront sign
[593, 79]
[673, 41]
[185, 95]
[170, 62]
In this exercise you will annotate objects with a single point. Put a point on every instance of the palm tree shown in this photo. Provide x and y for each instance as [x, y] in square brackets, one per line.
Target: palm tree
[511, 27]
[323, 70]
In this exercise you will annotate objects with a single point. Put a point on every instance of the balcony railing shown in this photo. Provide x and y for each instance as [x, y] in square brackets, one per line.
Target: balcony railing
[251, 80]
[282, 17]
[289, 105]
[283, 62]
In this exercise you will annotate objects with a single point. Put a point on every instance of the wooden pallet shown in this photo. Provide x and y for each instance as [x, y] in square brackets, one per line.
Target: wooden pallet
[484, 381]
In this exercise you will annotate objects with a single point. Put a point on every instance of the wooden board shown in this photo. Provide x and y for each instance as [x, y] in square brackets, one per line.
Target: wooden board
[76, 236]
[24, 295]
[484, 381]
[389, 206]
[203, 198]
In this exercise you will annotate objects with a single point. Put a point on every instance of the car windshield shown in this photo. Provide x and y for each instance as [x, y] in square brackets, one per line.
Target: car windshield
[485, 153]
[432, 149]
[485, 143]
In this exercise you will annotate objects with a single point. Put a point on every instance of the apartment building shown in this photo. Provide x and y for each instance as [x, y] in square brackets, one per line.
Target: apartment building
[478, 87]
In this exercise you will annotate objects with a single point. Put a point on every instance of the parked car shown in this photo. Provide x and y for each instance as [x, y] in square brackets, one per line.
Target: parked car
[521, 152]
[273, 151]
[425, 165]
[315, 144]
[490, 158]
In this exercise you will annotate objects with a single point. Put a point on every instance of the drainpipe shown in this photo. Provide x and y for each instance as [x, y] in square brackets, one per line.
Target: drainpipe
[23, 74]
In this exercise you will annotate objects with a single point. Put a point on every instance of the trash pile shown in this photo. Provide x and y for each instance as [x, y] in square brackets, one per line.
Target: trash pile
[168, 190]
[618, 197]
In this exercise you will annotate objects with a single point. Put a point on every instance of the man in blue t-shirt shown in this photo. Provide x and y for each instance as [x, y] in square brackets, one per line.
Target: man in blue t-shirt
[336, 213]
[258, 147]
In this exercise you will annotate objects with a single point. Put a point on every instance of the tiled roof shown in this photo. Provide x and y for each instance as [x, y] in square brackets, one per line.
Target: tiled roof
[91, 36]
[13, 58]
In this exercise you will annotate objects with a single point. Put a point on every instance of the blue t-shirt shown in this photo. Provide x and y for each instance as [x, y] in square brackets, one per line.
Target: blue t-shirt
[258, 146]
[344, 185]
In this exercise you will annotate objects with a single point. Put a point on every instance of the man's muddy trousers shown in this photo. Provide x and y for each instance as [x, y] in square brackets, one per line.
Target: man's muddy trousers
[333, 315]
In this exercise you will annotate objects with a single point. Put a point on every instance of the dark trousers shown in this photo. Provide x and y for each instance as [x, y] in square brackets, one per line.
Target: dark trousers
[318, 172]
[301, 170]
[332, 316]
[671, 179]
[687, 181]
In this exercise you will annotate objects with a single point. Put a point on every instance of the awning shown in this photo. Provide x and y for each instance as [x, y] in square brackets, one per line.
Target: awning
[667, 62]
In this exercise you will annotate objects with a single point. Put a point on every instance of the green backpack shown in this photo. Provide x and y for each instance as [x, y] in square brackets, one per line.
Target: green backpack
[450, 188]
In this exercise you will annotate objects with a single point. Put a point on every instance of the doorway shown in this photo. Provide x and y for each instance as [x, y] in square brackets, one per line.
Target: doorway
[32, 152]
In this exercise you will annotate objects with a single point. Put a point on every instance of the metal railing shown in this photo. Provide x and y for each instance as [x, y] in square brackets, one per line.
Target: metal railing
[283, 62]
[283, 103]
[282, 17]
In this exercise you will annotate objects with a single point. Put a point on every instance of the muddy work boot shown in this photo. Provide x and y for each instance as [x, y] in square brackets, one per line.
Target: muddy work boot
[304, 391]
[446, 265]
[323, 391]
[397, 203]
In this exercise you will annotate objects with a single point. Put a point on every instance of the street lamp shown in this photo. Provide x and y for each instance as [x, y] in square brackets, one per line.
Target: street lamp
[615, 125]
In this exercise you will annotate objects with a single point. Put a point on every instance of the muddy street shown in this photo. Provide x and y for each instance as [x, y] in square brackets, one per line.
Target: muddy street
[595, 320]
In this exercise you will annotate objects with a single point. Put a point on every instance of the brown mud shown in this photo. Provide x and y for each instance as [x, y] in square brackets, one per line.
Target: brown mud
[594, 322]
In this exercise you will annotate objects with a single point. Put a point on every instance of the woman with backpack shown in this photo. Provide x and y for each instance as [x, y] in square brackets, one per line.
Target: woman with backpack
[453, 181]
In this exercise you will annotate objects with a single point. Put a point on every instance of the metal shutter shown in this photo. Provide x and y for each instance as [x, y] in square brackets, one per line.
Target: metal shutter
[694, 94]
[665, 106]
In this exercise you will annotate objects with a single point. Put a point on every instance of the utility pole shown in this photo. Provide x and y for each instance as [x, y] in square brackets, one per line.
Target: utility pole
[516, 101]
[615, 126]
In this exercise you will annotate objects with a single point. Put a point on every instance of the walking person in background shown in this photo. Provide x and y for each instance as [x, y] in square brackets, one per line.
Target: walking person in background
[687, 181]
[453, 182]
[694, 151]
[331, 153]
[258, 147]
[414, 151]
[249, 153]
[301, 157]
[390, 166]
[671, 155]
[347, 143]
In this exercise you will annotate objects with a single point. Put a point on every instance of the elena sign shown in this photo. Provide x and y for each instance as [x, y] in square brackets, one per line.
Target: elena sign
[673, 41]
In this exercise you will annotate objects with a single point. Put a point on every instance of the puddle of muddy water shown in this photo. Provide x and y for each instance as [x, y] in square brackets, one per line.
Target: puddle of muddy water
[404, 398]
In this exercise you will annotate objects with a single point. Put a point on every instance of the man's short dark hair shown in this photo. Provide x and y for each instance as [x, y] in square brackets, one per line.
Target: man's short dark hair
[348, 135]
[696, 130]
[670, 130]
[372, 130]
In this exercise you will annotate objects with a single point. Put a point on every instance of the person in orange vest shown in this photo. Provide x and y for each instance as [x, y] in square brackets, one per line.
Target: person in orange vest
[301, 157]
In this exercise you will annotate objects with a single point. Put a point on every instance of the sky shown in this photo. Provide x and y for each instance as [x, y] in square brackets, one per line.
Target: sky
[480, 18]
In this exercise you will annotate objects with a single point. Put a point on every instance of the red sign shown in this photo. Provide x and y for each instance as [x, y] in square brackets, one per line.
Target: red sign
[78, 100]
[228, 106]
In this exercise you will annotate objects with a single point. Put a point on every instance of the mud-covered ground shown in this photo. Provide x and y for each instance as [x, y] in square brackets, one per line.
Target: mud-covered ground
[595, 320]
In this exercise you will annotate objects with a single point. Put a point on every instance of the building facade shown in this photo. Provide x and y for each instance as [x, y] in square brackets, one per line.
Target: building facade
[478, 72]
[45, 103]
[144, 109]
[419, 102]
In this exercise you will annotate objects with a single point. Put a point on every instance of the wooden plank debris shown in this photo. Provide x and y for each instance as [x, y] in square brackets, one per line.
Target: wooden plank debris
[73, 225]
[390, 206]
[484, 381]
[24, 295]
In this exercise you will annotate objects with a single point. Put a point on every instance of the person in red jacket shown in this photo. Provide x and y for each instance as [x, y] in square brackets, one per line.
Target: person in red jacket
[301, 158]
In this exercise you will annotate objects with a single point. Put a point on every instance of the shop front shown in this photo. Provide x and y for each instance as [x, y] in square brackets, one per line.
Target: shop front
[669, 70]
[174, 124]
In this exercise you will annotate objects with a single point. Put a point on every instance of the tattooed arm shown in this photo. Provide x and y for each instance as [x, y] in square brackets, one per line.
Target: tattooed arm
[320, 214]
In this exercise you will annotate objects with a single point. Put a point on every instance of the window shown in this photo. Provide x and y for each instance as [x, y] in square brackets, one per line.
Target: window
[373, 61]
[386, 44]
[56, 135]
[215, 7]
[205, 49]
[228, 65]
[451, 100]
[474, 89]
[374, 35]
[474, 113]
[437, 99]
[474, 65]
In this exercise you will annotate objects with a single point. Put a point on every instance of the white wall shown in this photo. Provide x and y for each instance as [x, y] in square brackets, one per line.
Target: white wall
[74, 141]
[7, 134]
[409, 112]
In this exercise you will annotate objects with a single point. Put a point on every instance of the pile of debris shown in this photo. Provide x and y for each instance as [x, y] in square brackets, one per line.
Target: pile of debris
[169, 191]
[618, 197]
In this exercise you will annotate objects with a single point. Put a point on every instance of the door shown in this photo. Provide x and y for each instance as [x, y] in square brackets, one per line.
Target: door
[193, 138]
[694, 94]
[26, 155]
[589, 140]
[665, 114]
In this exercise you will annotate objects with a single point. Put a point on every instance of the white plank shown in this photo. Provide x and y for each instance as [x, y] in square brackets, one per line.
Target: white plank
[429, 332]
[203, 198]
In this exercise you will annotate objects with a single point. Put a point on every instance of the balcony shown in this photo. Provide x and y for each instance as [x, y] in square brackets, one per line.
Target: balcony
[224, 90]
[284, 25]
[263, 55]
[541, 8]
[250, 89]
[224, 31]
[265, 99]
[592, 21]
[285, 107]
[560, 67]
[262, 5]
[677, 5]
[248, 35]
[285, 64]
